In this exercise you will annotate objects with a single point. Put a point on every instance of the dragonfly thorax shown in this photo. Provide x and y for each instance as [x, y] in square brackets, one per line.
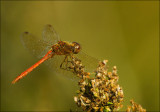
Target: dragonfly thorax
[65, 48]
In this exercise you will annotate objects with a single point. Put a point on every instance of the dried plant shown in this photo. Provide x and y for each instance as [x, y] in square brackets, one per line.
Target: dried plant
[135, 107]
[102, 93]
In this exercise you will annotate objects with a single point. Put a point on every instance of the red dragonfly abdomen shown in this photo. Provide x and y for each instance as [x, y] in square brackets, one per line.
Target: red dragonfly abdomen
[23, 74]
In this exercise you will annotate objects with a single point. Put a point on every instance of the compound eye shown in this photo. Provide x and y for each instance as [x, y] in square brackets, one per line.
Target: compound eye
[76, 47]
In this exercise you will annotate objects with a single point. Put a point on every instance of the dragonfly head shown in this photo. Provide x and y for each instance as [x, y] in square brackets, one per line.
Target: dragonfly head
[76, 47]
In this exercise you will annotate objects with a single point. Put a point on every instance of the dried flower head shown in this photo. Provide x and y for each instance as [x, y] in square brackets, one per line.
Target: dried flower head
[135, 107]
[101, 93]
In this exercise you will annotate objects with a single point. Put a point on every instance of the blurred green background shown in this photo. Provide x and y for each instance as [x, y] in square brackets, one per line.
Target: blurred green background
[125, 33]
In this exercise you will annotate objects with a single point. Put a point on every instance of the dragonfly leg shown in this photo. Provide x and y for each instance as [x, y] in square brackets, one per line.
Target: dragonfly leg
[61, 66]
[70, 65]
[77, 66]
[67, 64]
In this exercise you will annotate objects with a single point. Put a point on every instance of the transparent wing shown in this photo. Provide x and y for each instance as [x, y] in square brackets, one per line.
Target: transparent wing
[54, 65]
[50, 37]
[35, 46]
[89, 62]
[49, 34]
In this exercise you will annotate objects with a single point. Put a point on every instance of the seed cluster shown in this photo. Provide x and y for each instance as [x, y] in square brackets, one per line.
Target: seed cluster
[101, 93]
[135, 107]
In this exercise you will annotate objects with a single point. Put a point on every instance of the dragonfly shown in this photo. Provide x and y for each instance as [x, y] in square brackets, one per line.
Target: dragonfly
[53, 51]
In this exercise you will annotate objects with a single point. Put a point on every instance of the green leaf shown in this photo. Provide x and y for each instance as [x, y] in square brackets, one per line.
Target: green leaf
[105, 110]
[109, 103]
